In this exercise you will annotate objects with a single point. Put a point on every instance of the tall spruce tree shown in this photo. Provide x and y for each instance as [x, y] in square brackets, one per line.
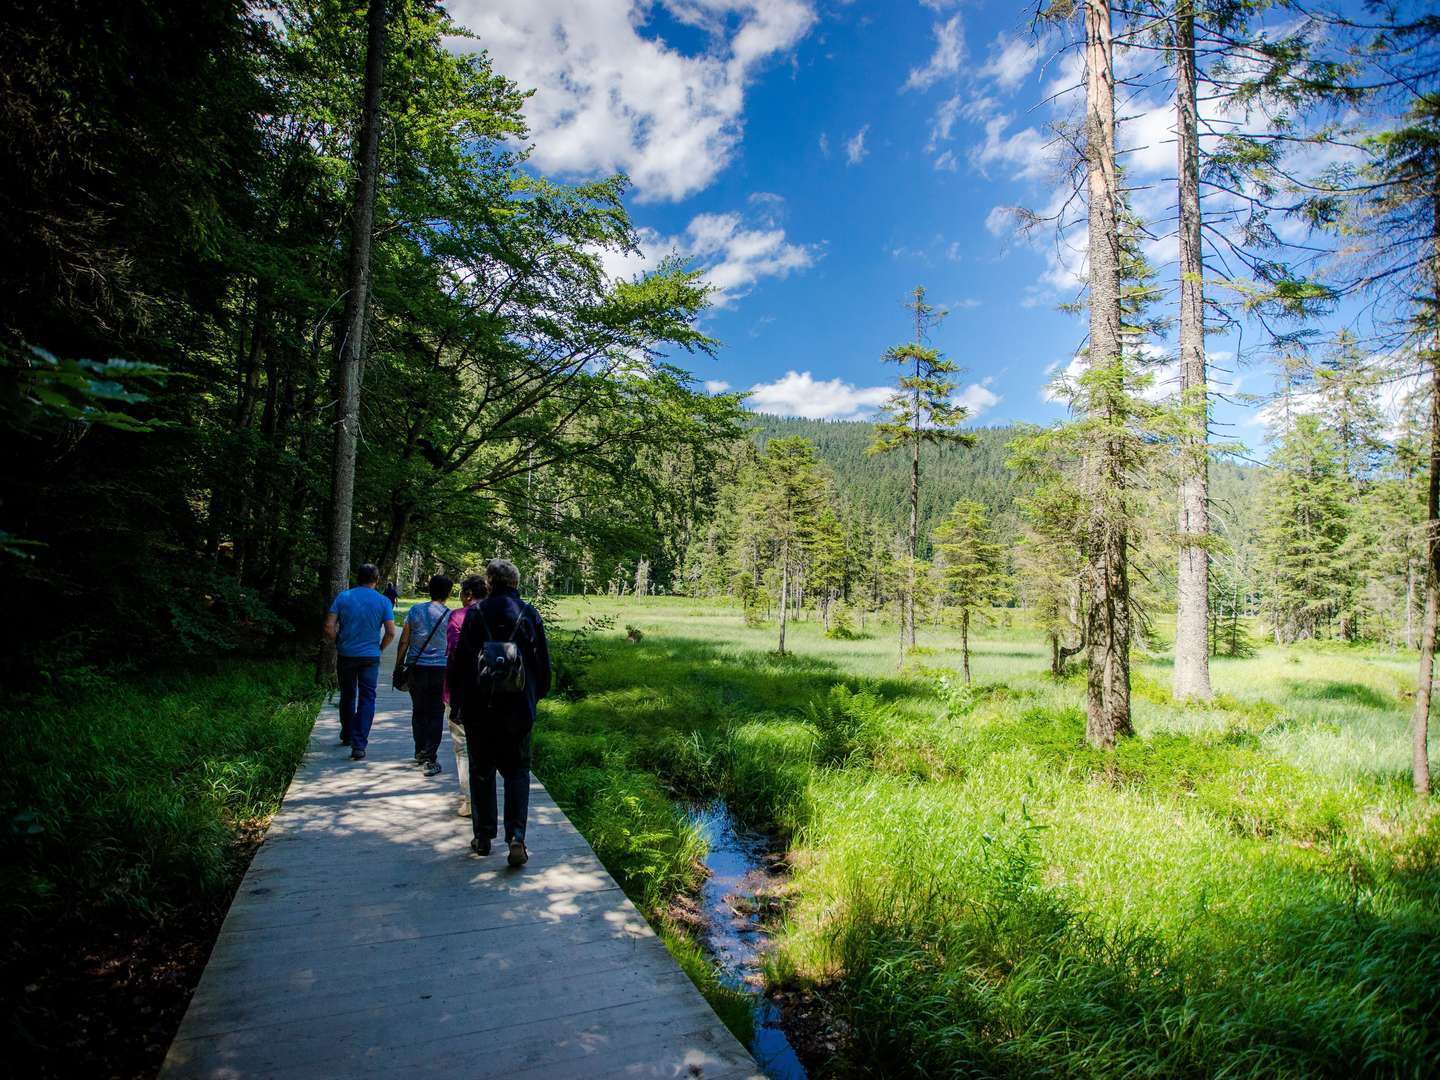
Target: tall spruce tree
[920, 412]
[972, 568]
[790, 490]
[1303, 538]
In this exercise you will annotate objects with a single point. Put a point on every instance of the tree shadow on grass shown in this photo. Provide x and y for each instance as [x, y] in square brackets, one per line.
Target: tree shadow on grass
[702, 683]
[1344, 693]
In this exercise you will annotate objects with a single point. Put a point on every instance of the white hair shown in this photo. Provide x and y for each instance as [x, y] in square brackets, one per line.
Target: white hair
[502, 572]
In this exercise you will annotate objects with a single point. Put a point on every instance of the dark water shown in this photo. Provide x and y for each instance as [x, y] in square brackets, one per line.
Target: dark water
[733, 934]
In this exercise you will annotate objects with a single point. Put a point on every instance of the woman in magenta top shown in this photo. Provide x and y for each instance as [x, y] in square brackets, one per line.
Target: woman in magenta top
[471, 590]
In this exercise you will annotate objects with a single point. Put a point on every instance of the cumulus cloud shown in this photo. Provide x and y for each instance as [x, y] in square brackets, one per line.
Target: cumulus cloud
[801, 394]
[945, 60]
[735, 253]
[716, 386]
[609, 99]
[855, 150]
[1027, 154]
[1011, 59]
[977, 398]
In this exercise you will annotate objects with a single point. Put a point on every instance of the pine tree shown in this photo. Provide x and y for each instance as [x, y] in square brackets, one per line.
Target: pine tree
[919, 412]
[1307, 523]
[972, 568]
[790, 490]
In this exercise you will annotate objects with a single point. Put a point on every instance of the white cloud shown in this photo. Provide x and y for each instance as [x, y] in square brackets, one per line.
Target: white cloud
[855, 150]
[1011, 59]
[610, 99]
[945, 117]
[824, 144]
[801, 394]
[716, 386]
[1000, 221]
[977, 398]
[1027, 152]
[734, 253]
[945, 60]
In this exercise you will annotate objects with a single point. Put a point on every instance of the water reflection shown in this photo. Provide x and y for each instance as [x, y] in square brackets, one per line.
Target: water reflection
[733, 934]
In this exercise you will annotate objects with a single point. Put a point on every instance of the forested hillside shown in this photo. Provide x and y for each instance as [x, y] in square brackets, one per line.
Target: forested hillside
[877, 484]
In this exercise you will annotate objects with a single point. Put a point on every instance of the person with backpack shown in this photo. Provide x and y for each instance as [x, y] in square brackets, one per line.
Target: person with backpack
[420, 668]
[355, 623]
[499, 670]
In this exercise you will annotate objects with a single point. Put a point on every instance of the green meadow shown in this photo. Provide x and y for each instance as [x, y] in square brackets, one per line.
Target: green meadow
[1244, 889]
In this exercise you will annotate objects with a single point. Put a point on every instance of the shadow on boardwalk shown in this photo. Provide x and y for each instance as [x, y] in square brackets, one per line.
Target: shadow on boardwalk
[365, 939]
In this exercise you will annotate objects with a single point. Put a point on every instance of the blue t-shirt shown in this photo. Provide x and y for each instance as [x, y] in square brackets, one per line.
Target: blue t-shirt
[421, 621]
[363, 612]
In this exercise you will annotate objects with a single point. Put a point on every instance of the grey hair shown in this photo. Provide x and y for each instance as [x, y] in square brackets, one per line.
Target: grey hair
[502, 572]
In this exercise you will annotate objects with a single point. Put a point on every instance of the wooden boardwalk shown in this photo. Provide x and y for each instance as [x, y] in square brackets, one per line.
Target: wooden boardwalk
[366, 940]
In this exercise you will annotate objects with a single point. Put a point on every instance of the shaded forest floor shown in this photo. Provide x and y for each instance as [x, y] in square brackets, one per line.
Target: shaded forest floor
[132, 808]
[1247, 888]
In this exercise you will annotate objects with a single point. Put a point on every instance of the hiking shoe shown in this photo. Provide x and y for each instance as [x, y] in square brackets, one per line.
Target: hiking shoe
[418, 758]
[343, 741]
[464, 810]
[432, 767]
[480, 847]
[518, 855]
[357, 755]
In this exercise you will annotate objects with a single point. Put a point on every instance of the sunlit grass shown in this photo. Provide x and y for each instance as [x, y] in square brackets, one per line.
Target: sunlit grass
[1248, 888]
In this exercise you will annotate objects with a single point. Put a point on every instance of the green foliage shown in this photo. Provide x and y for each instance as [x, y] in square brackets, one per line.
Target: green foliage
[172, 768]
[980, 893]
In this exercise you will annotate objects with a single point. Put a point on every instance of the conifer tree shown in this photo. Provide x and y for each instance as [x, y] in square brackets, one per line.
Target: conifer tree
[1306, 525]
[972, 568]
[790, 489]
[919, 412]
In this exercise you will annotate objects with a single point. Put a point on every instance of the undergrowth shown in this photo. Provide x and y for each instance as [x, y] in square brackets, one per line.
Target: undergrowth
[129, 797]
[1245, 889]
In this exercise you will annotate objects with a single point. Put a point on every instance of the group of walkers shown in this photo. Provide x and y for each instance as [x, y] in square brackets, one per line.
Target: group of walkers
[490, 666]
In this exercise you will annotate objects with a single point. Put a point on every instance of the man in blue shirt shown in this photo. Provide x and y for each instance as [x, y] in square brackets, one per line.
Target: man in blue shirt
[354, 623]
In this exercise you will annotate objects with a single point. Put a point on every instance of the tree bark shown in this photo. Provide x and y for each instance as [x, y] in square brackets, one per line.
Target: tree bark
[1420, 720]
[784, 591]
[350, 351]
[1192, 615]
[965, 644]
[1108, 617]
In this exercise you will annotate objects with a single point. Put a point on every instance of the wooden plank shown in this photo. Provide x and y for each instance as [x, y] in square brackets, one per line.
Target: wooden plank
[366, 939]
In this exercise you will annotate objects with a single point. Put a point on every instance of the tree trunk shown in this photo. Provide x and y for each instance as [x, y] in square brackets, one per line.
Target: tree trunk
[1108, 620]
[1420, 721]
[350, 351]
[965, 644]
[1192, 658]
[784, 591]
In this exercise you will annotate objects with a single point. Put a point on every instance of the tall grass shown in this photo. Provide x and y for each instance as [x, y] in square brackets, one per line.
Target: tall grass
[1246, 889]
[129, 796]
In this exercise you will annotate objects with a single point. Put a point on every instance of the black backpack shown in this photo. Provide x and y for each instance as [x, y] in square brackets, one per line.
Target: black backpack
[500, 668]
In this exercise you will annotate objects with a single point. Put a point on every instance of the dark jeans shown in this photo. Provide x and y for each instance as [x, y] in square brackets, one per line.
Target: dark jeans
[427, 709]
[482, 796]
[357, 675]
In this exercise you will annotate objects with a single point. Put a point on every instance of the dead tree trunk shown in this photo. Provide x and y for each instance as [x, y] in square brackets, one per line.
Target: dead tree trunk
[1192, 657]
[1108, 622]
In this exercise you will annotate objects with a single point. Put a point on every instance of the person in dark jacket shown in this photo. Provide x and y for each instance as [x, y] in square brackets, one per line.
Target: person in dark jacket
[498, 724]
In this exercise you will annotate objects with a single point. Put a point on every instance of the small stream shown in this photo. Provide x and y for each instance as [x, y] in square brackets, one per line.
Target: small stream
[733, 934]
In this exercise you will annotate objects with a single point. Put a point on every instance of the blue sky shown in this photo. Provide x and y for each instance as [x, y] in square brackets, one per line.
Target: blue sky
[820, 159]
